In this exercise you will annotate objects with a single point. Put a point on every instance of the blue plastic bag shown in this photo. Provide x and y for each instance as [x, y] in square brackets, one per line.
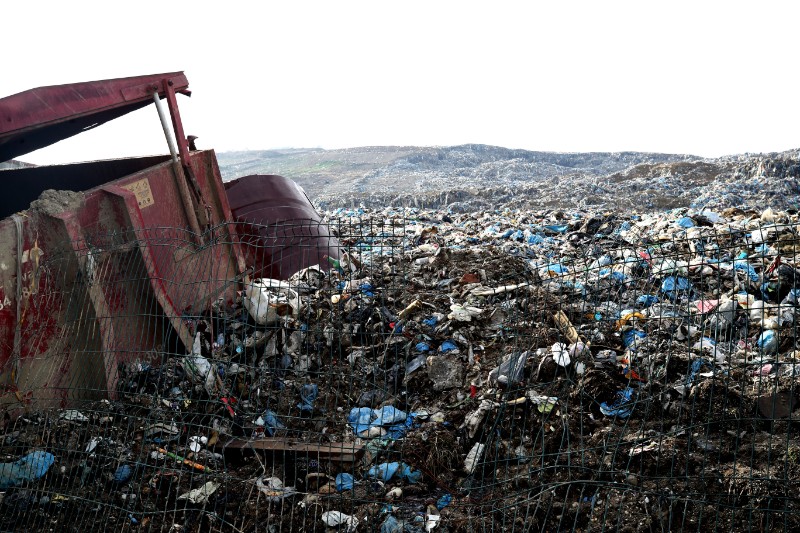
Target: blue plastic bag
[308, 393]
[631, 337]
[386, 471]
[697, 365]
[364, 418]
[744, 266]
[271, 422]
[430, 321]
[444, 501]
[557, 228]
[768, 342]
[535, 239]
[28, 468]
[360, 418]
[673, 285]
[410, 475]
[367, 290]
[344, 481]
[123, 474]
[448, 346]
[646, 300]
[621, 406]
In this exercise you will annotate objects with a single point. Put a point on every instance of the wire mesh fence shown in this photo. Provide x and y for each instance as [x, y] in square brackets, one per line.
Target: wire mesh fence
[428, 375]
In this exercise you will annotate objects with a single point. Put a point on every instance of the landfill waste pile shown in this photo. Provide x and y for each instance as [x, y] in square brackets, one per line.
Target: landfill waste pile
[451, 372]
[465, 179]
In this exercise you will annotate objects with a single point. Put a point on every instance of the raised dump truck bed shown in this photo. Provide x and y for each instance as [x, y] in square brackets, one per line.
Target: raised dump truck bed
[105, 267]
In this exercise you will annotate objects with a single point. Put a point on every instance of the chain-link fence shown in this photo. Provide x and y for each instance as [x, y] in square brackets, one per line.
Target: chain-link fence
[428, 376]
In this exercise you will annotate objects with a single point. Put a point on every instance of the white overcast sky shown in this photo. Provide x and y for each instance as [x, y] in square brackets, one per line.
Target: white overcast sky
[700, 77]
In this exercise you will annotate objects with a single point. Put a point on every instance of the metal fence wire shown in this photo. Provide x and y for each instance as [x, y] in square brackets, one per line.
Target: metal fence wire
[433, 373]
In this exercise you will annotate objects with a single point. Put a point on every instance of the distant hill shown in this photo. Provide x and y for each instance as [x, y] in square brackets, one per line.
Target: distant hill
[12, 164]
[477, 176]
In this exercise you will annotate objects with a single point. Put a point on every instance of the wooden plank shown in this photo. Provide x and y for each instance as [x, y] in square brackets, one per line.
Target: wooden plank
[335, 451]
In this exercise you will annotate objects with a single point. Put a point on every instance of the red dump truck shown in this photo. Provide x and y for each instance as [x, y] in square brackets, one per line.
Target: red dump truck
[106, 262]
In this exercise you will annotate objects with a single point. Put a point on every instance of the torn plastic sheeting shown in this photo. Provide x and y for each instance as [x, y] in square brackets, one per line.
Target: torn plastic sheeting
[578, 349]
[511, 371]
[162, 432]
[416, 363]
[664, 266]
[367, 290]
[646, 300]
[473, 457]
[198, 367]
[763, 250]
[393, 525]
[694, 370]
[474, 419]
[431, 521]
[273, 489]
[339, 519]
[200, 495]
[792, 298]
[28, 468]
[613, 274]
[544, 404]
[602, 261]
[709, 345]
[622, 405]
[73, 415]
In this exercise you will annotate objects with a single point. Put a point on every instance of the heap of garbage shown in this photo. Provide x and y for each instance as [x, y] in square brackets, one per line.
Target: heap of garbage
[542, 371]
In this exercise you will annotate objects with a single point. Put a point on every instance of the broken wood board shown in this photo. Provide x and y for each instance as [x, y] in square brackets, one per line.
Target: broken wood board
[342, 452]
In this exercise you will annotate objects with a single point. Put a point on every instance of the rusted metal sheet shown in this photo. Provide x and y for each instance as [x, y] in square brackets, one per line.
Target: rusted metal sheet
[112, 277]
[340, 452]
[111, 271]
[40, 117]
[279, 228]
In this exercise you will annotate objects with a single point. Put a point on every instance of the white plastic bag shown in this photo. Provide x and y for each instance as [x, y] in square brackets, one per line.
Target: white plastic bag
[269, 299]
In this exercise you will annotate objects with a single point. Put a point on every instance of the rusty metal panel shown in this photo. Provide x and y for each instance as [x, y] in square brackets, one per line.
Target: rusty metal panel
[40, 117]
[113, 273]
[23, 186]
